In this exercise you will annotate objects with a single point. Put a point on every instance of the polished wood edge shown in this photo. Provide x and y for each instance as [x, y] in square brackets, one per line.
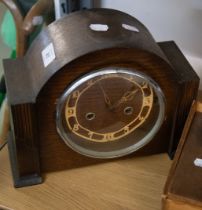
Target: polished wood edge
[5, 208]
[199, 107]
[178, 203]
[180, 146]
[5, 122]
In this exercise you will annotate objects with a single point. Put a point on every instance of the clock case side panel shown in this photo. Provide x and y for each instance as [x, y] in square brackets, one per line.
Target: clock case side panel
[23, 135]
[189, 84]
[23, 146]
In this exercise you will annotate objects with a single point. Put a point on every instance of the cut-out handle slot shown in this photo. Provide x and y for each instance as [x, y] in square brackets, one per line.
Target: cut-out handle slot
[130, 28]
[99, 27]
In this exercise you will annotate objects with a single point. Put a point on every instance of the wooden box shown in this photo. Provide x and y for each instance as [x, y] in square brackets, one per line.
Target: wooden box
[183, 189]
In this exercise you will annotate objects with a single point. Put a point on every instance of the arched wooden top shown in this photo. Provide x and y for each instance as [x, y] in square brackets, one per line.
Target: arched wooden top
[71, 38]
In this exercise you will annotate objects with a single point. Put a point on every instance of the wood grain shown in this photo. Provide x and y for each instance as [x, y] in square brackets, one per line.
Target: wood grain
[53, 149]
[132, 184]
[189, 83]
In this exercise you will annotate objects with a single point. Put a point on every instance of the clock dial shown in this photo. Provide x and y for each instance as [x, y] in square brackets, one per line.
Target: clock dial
[122, 113]
[110, 113]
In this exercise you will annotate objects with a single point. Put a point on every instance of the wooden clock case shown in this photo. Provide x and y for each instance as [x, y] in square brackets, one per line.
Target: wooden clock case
[33, 89]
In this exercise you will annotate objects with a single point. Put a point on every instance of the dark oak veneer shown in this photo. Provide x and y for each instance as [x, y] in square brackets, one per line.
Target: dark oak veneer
[33, 90]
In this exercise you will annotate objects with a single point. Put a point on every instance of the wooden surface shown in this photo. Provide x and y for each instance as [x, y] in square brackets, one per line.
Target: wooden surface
[132, 184]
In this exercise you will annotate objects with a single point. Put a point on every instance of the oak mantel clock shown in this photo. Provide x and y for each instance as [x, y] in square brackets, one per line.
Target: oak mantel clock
[94, 86]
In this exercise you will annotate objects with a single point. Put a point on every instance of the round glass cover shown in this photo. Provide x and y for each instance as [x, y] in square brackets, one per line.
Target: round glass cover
[110, 112]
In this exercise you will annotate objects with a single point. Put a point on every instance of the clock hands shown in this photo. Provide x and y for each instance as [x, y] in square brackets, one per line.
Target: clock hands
[127, 96]
[107, 100]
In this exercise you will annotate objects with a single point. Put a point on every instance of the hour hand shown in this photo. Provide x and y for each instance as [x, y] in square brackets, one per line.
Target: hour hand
[128, 96]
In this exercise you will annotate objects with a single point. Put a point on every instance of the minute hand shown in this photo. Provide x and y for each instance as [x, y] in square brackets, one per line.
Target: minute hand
[127, 96]
[106, 98]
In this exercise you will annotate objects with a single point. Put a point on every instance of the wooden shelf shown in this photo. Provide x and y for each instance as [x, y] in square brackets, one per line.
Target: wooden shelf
[133, 183]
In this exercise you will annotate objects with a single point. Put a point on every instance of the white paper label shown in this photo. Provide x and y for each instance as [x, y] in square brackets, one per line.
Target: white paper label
[48, 55]
[198, 162]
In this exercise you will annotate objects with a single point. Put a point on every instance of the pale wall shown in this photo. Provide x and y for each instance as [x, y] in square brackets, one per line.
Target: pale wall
[178, 20]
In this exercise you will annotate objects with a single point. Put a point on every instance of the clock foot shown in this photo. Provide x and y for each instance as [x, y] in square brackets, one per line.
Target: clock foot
[20, 180]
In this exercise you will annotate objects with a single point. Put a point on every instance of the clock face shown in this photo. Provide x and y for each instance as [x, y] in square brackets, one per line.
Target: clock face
[110, 112]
